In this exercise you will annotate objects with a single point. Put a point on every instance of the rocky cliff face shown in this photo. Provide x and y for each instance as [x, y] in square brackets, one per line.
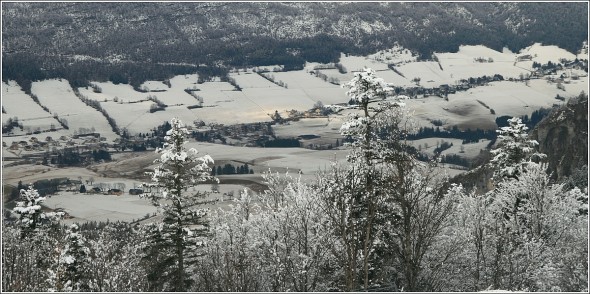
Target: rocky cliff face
[563, 136]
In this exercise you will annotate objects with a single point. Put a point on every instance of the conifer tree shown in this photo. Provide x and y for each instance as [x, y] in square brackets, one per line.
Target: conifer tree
[71, 270]
[184, 225]
[30, 213]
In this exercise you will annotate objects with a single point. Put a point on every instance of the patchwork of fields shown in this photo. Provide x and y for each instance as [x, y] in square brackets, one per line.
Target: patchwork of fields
[255, 96]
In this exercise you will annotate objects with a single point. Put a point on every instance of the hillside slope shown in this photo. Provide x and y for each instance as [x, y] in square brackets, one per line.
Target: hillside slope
[232, 32]
[563, 136]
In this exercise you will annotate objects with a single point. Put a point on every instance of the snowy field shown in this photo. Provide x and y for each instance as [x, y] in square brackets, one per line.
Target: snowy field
[230, 107]
[327, 129]
[313, 88]
[59, 98]
[18, 104]
[358, 63]
[429, 72]
[248, 80]
[97, 207]
[545, 53]
[461, 65]
[260, 98]
[109, 91]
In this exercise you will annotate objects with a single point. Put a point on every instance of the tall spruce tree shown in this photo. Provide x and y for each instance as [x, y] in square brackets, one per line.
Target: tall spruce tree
[173, 248]
[355, 192]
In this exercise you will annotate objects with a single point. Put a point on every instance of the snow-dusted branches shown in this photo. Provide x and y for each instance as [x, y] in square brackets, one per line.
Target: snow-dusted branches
[178, 168]
[184, 224]
[515, 151]
[29, 210]
[366, 87]
[377, 130]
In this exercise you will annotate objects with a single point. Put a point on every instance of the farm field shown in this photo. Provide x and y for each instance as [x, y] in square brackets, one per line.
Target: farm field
[257, 101]
[260, 98]
[328, 129]
[98, 207]
[108, 91]
[461, 65]
[313, 87]
[18, 104]
[429, 72]
[230, 107]
[545, 53]
[358, 63]
[247, 80]
[59, 98]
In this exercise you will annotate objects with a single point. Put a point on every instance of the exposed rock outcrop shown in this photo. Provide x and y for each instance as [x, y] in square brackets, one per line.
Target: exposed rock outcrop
[563, 136]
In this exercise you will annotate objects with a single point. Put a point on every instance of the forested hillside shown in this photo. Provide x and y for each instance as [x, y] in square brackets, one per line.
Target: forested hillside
[58, 39]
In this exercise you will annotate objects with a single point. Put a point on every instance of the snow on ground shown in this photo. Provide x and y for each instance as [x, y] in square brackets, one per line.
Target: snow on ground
[32, 173]
[136, 117]
[573, 87]
[109, 91]
[20, 105]
[313, 88]
[394, 55]
[229, 107]
[279, 99]
[154, 86]
[358, 63]
[324, 127]
[429, 72]
[470, 150]
[98, 207]
[461, 65]
[389, 76]
[509, 98]
[252, 80]
[465, 113]
[184, 81]
[545, 53]
[159, 117]
[306, 160]
[335, 74]
[214, 86]
[132, 116]
[58, 97]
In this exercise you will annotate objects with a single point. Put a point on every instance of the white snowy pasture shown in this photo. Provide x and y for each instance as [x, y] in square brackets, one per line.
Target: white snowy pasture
[59, 98]
[20, 105]
[462, 65]
[98, 207]
[252, 80]
[545, 53]
[313, 88]
[109, 91]
[358, 63]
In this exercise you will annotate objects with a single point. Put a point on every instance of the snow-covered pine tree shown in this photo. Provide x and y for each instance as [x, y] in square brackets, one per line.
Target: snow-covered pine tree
[355, 191]
[70, 273]
[527, 234]
[514, 151]
[176, 239]
[30, 213]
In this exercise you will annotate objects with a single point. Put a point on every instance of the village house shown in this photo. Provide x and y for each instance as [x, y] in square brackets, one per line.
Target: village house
[524, 57]
[115, 192]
